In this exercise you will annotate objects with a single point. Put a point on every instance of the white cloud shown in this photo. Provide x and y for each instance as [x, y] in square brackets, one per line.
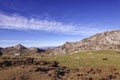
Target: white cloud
[18, 41]
[23, 23]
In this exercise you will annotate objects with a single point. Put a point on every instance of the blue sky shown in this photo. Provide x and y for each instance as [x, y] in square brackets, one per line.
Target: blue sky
[42, 23]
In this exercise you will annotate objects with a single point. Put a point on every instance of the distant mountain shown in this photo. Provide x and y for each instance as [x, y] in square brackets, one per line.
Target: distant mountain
[36, 50]
[20, 50]
[109, 40]
[19, 47]
[47, 47]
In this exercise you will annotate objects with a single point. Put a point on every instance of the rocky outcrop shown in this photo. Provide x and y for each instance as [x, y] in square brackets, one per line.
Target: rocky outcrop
[101, 41]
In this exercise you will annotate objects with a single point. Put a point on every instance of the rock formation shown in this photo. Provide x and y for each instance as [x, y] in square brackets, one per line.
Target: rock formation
[101, 41]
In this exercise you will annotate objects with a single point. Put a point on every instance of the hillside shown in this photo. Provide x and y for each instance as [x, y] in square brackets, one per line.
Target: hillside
[109, 40]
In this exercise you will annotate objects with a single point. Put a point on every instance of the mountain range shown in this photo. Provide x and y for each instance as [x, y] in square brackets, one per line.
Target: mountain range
[20, 50]
[109, 40]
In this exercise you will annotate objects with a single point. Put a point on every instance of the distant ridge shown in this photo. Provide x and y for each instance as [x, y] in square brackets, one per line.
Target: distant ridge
[109, 40]
[20, 49]
[47, 47]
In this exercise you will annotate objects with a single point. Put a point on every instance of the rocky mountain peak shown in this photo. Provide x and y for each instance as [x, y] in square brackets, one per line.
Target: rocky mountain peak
[19, 46]
[21, 50]
[100, 41]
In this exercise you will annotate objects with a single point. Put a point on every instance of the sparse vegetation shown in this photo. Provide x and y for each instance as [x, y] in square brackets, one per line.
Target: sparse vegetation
[90, 58]
[90, 65]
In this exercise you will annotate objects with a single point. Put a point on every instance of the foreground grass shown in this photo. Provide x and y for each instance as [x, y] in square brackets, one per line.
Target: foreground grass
[87, 59]
[91, 65]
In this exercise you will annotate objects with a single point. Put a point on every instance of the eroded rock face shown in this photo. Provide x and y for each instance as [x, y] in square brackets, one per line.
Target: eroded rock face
[101, 41]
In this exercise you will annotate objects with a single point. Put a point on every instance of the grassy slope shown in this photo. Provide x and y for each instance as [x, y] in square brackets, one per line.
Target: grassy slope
[88, 59]
[83, 59]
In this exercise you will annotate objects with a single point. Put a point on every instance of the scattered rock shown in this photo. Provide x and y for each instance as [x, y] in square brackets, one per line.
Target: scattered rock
[118, 52]
[6, 63]
[109, 76]
[55, 64]
[43, 69]
[53, 70]
[88, 79]
[102, 79]
[29, 61]
[104, 58]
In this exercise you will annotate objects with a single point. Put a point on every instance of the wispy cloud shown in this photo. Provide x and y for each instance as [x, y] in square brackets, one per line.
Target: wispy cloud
[14, 41]
[19, 22]
[10, 42]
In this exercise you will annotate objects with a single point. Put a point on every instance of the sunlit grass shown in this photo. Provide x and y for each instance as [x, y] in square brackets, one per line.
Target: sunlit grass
[86, 60]
[90, 58]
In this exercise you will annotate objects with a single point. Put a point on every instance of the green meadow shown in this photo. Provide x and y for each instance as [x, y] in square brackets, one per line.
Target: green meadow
[88, 59]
